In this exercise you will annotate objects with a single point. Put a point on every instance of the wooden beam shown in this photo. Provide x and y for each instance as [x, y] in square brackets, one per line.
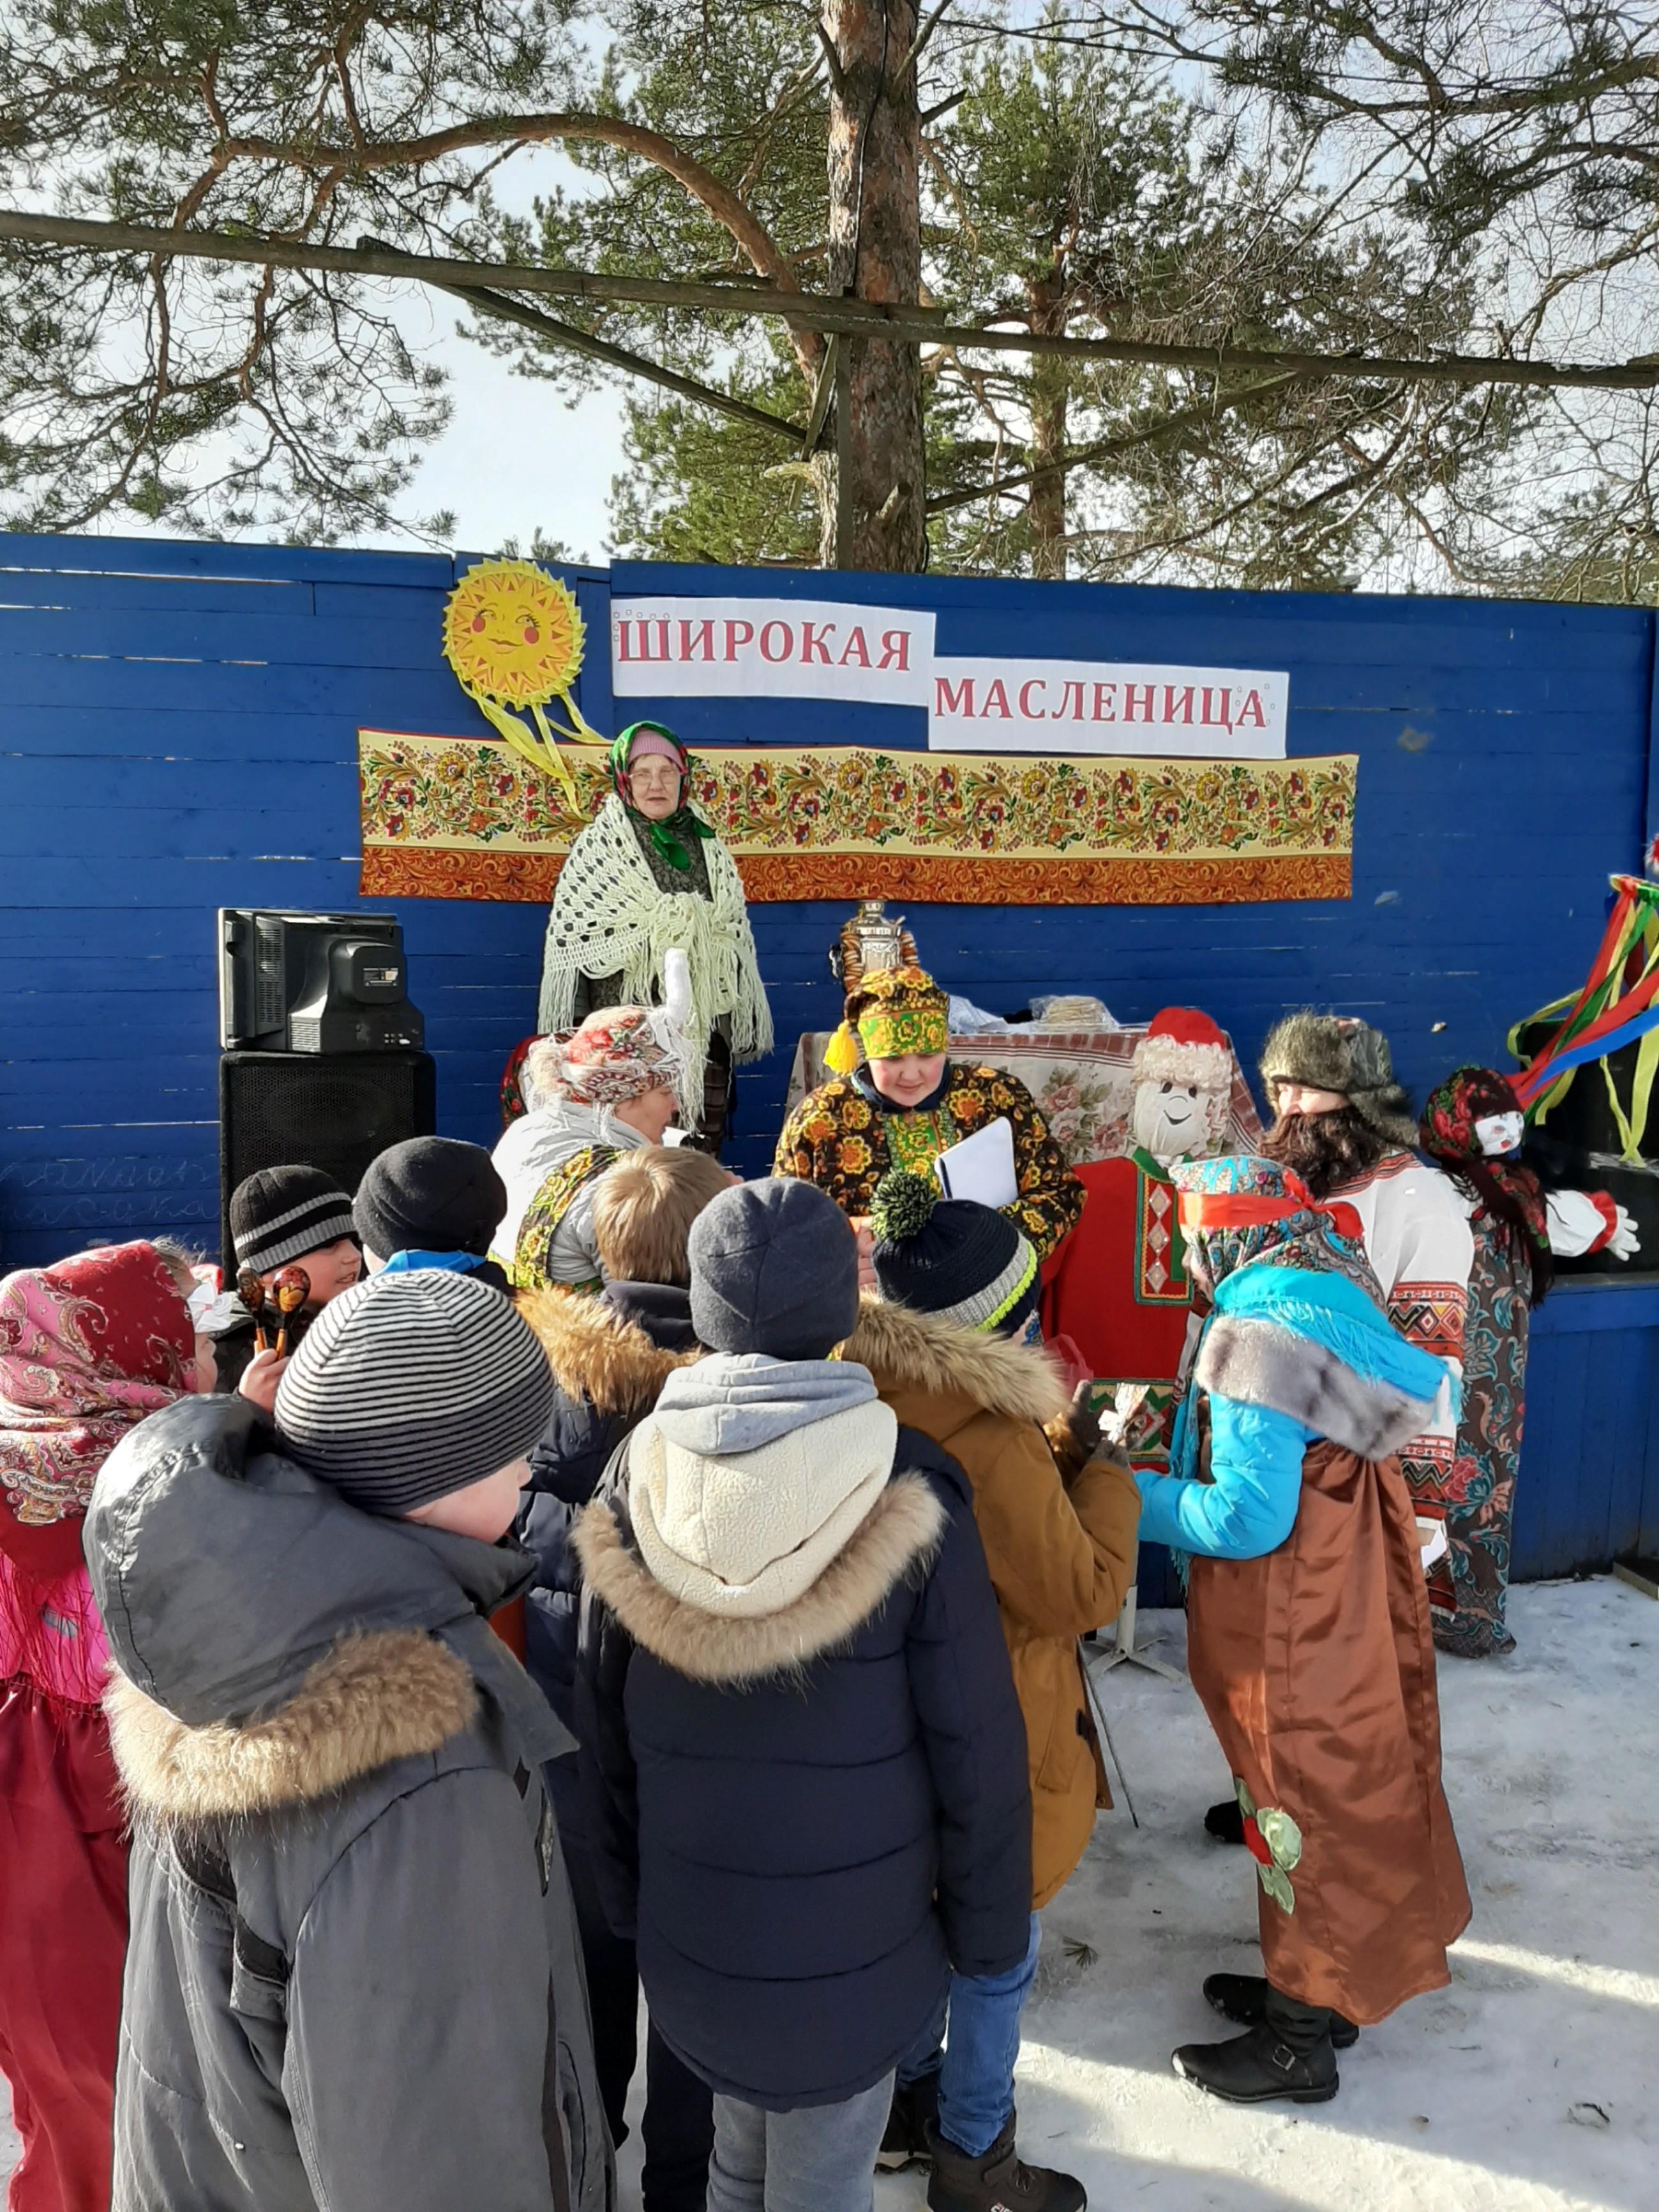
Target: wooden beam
[822, 394]
[616, 356]
[845, 518]
[811, 311]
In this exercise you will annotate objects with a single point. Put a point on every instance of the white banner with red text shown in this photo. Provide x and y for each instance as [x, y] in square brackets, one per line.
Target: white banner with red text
[735, 648]
[1107, 707]
[771, 649]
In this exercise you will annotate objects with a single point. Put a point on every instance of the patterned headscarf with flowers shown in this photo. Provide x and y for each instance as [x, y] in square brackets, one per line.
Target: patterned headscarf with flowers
[895, 1010]
[1510, 1195]
[88, 1348]
[666, 834]
[1242, 1212]
[619, 1053]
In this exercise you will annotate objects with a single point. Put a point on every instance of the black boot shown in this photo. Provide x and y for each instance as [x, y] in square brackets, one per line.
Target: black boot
[1289, 2055]
[1243, 1998]
[1225, 1822]
[997, 2182]
[915, 2108]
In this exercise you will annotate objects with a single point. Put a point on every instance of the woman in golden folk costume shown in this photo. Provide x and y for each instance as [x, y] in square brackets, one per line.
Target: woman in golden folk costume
[906, 1102]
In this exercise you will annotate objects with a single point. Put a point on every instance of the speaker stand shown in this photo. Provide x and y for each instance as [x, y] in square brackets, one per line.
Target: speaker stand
[1126, 1652]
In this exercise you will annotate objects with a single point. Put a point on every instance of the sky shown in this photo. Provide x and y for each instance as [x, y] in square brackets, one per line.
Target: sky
[516, 457]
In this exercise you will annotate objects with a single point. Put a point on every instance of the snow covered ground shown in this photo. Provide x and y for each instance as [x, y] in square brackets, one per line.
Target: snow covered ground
[1530, 2085]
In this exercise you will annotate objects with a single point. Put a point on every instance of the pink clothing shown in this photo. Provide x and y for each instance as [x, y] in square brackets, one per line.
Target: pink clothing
[62, 1940]
[51, 1635]
[88, 1348]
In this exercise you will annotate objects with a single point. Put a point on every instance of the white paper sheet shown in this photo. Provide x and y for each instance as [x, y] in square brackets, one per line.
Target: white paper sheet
[982, 1167]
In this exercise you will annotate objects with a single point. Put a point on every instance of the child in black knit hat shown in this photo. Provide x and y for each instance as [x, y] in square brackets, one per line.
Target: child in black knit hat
[431, 1202]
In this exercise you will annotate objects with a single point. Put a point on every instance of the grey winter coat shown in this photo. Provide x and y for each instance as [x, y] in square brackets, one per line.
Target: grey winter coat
[353, 1980]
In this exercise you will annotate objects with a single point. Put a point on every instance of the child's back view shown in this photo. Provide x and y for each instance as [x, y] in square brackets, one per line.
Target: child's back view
[806, 1760]
[352, 1979]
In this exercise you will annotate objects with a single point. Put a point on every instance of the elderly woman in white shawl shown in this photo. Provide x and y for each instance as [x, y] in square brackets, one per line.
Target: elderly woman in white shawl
[647, 877]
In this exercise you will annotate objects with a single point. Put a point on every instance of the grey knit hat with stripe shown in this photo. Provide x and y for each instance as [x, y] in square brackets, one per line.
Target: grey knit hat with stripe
[948, 1257]
[281, 1213]
[410, 1386]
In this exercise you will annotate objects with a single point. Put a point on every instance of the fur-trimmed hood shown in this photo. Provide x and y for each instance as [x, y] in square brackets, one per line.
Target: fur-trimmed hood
[246, 1600]
[898, 1536]
[597, 1353]
[1260, 1363]
[907, 1350]
[388, 1695]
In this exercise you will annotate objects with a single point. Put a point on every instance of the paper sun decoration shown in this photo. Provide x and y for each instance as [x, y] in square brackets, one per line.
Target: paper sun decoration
[513, 636]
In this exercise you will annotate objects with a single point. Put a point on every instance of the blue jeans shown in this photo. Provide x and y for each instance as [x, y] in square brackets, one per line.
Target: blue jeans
[977, 2075]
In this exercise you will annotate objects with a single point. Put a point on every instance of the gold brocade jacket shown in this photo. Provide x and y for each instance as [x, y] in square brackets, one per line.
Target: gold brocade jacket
[839, 1141]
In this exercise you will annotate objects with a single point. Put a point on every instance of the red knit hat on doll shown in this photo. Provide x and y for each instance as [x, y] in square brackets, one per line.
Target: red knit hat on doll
[1184, 1074]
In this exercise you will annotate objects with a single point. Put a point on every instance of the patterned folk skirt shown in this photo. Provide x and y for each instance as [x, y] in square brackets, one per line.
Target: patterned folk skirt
[1480, 1503]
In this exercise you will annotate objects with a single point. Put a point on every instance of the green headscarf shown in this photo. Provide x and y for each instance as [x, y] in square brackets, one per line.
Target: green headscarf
[683, 819]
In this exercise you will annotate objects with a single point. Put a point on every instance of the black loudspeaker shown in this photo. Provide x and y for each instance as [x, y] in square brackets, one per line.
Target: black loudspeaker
[329, 1110]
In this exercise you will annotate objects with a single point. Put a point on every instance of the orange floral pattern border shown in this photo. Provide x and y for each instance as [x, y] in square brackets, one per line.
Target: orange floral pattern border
[398, 872]
[451, 818]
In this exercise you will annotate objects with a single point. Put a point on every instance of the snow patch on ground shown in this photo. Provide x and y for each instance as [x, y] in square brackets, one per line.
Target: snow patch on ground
[1530, 2085]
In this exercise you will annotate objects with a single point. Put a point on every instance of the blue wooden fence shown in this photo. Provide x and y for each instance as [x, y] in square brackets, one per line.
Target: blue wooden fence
[177, 729]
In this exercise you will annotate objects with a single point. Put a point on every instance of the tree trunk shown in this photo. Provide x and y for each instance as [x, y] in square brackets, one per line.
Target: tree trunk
[875, 244]
[1050, 390]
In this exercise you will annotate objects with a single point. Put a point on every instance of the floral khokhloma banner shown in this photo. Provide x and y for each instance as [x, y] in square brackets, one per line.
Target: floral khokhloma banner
[467, 817]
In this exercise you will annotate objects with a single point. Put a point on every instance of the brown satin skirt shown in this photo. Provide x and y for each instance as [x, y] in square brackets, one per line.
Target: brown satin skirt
[1316, 1668]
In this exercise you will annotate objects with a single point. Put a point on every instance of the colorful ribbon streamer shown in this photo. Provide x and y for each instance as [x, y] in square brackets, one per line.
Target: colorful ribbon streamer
[1617, 1006]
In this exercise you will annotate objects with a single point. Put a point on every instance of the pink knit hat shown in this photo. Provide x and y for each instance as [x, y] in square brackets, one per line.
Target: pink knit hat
[652, 741]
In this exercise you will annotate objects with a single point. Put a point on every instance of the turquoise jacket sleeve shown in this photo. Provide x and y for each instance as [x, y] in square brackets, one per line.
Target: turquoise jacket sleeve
[1248, 1508]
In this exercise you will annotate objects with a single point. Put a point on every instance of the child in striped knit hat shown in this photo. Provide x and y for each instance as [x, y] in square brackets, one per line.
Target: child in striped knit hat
[353, 1977]
[280, 1217]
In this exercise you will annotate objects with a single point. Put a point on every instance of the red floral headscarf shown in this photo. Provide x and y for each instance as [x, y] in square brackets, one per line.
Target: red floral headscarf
[88, 1348]
[1509, 1194]
[619, 1053]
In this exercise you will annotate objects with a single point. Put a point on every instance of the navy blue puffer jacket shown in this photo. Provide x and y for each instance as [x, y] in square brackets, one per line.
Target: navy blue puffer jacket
[803, 1817]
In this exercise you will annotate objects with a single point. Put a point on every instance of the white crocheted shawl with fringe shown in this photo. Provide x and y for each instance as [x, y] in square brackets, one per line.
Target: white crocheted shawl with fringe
[610, 916]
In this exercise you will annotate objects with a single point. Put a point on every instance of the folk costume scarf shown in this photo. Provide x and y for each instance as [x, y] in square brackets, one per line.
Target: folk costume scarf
[1241, 1212]
[666, 834]
[88, 1348]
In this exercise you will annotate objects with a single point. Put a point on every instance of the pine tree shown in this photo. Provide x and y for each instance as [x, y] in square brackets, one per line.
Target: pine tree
[1071, 193]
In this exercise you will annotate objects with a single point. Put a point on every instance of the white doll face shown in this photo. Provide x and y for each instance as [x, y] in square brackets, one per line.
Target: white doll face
[1497, 1133]
[1169, 1121]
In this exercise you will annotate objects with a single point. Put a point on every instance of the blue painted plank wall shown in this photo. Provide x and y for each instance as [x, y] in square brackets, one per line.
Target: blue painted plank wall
[1503, 758]
[178, 731]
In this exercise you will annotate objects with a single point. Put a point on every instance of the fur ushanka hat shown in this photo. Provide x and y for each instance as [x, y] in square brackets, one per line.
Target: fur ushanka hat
[1336, 1052]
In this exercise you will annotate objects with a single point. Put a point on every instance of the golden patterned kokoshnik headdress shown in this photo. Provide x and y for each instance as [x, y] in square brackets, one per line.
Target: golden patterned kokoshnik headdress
[895, 1010]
